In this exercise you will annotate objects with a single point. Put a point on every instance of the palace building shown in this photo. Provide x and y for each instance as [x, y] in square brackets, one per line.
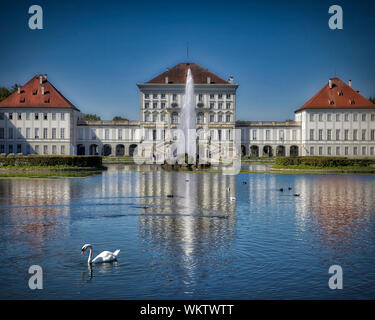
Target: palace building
[38, 119]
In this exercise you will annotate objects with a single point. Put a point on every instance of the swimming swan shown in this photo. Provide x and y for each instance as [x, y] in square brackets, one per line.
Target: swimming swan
[105, 256]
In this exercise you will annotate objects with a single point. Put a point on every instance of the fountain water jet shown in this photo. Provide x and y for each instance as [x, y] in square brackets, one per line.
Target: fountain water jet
[188, 121]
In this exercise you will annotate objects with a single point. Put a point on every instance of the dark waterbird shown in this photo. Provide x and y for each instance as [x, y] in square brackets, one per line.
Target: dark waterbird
[170, 195]
[281, 189]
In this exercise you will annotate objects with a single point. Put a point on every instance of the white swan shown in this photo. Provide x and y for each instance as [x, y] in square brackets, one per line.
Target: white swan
[105, 256]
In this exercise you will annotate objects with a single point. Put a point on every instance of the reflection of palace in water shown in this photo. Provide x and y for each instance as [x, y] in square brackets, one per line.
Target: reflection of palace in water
[338, 206]
[36, 208]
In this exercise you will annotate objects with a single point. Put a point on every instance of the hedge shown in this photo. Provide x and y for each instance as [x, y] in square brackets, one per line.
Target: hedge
[323, 161]
[41, 161]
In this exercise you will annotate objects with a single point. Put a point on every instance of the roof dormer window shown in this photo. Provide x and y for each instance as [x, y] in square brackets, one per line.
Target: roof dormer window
[331, 102]
[340, 93]
[35, 92]
[22, 100]
[352, 101]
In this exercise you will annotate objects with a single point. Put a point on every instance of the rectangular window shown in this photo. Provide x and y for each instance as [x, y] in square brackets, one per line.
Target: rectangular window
[346, 134]
[219, 134]
[10, 148]
[329, 134]
[106, 134]
[346, 151]
[155, 95]
[363, 134]
[163, 105]
[200, 97]
[62, 133]
[228, 96]
[62, 116]
[311, 151]
[220, 105]
[10, 116]
[19, 133]
[212, 105]
[268, 135]
[174, 97]
[337, 151]
[45, 133]
[228, 135]
[228, 105]
[45, 116]
[320, 134]
[372, 151]
[62, 149]
[36, 116]
[2, 148]
[36, 133]
[363, 151]
[27, 115]
[220, 96]
[10, 135]
[155, 105]
[311, 134]
[120, 134]
[372, 135]
[355, 116]
[320, 117]
[337, 134]
[254, 134]
[53, 133]
[54, 149]
[28, 130]
[227, 118]
[1, 115]
[337, 117]
[36, 149]
[329, 117]
[220, 118]
[329, 150]
[212, 96]
[45, 149]
[212, 118]
[294, 135]
[355, 132]
[355, 151]
[311, 117]
[320, 151]
[163, 95]
[147, 96]
[53, 116]
[1, 133]
[19, 116]
[346, 117]
[363, 116]
[147, 105]
[372, 116]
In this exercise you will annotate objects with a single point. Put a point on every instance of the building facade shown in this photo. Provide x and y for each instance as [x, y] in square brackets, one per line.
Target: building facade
[38, 119]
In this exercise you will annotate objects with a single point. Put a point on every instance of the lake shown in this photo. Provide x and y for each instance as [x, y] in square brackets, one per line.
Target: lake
[197, 244]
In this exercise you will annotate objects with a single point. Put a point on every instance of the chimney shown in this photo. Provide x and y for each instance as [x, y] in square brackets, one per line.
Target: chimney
[208, 79]
[330, 83]
[350, 83]
[166, 79]
[230, 79]
[40, 79]
[19, 90]
[45, 76]
[42, 90]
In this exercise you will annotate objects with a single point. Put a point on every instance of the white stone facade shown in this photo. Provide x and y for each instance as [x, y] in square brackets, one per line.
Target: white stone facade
[347, 131]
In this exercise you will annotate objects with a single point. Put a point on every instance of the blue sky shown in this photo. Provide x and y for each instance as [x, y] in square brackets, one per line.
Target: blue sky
[280, 52]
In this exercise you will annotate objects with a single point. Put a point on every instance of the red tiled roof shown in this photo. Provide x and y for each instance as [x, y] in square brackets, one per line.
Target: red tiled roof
[340, 96]
[178, 73]
[31, 96]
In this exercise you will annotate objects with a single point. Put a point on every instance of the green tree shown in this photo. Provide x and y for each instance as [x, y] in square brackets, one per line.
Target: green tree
[119, 118]
[5, 92]
[91, 117]
[372, 100]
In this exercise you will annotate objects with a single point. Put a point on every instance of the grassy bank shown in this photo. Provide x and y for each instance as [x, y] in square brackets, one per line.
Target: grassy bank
[324, 164]
[126, 159]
